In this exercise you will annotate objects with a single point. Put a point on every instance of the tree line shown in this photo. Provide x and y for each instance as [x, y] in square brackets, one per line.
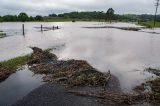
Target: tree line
[22, 17]
[109, 15]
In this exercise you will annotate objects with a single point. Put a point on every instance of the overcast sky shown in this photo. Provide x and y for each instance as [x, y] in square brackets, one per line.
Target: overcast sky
[45, 7]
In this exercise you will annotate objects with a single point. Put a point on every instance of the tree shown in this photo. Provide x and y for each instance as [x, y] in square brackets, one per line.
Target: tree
[39, 18]
[100, 15]
[52, 15]
[23, 17]
[9, 18]
[109, 14]
[1, 19]
[31, 18]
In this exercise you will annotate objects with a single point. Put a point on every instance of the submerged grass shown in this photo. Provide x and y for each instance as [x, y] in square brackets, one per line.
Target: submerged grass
[149, 24]
[15, 62]
[2, 34]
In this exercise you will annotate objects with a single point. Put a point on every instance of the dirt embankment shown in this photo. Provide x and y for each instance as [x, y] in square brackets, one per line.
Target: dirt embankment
[4, 72]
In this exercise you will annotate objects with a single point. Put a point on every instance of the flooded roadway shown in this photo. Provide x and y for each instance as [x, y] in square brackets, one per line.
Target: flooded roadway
[125, 53]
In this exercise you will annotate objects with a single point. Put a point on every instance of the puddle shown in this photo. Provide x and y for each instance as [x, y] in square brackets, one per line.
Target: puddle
[18, 85]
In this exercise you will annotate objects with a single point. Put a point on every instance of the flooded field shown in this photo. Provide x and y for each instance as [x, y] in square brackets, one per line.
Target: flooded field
[125, 53]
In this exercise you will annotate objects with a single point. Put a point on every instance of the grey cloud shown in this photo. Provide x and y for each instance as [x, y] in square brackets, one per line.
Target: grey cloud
[44, 7]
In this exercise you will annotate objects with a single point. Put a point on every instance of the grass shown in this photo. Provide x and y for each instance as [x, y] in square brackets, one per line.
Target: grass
[57, 20]
[149, 24]
[2, 34]
[15, 62]
[19, 61]
[69, 20]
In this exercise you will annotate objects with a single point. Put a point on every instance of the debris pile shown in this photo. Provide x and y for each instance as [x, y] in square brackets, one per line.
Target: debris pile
[40, 56]
[154, 95]
[70, 72]
[154, 71]
[78, 73]
[154, 85]
[113, 98]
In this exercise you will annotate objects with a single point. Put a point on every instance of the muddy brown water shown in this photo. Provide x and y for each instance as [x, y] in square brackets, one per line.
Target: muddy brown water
[125, 53]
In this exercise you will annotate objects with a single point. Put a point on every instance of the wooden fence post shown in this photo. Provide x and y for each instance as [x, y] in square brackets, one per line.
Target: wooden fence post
[41, 28]
[23, 28]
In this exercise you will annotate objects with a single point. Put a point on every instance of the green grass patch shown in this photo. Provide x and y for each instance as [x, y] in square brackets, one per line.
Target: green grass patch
[149, 24]
[2, 35]
[57, 20]
[15, 62]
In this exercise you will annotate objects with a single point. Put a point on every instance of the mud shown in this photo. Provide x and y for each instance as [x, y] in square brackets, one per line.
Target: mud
[4, 72]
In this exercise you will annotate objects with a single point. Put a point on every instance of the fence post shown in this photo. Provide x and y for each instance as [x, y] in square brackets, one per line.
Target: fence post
[41, 28]
[53, 27]
[23, 28]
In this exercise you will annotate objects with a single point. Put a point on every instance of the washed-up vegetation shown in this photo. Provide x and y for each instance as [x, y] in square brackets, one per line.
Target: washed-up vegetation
[78, 73]
[10, 66]
[40, 56]
[153, 70]
[71, 72]
[152, 86]
[114, 98]
[148, 92]
[154, 94]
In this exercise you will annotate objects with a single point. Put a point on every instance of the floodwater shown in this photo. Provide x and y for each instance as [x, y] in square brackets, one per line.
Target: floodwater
[125, 53]
[18, 85]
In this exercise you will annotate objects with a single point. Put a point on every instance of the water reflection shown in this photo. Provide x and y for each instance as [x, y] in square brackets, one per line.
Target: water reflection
[18, 85]
[121, 52]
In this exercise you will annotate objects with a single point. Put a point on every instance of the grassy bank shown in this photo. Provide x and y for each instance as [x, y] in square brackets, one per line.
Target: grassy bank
[56, 20]
[2, 34]
[19, 61]
[10, 66]
[71, 20]
[149, 24]
[15, 62]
